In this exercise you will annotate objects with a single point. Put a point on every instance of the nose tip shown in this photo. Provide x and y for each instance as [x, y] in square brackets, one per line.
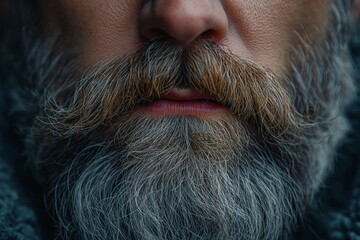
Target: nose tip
[183, 20]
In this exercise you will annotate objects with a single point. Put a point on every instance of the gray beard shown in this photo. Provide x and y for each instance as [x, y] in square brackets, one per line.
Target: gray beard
[193, 178]
[176, 178]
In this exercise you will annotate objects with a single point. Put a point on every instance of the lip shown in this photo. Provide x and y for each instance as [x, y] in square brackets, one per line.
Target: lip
[184, 101]
[185, 94]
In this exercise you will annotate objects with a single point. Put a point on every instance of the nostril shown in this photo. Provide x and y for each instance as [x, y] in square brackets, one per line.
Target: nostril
[209, 34]
[155, 33]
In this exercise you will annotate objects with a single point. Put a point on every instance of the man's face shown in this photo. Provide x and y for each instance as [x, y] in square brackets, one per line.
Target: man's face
[184, 119]
[260, 31]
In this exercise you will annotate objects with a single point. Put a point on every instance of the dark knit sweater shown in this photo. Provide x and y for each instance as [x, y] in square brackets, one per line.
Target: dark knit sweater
[17, 220]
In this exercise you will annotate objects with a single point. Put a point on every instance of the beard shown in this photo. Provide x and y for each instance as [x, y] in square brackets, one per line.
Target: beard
[133, 175]
[113, 172]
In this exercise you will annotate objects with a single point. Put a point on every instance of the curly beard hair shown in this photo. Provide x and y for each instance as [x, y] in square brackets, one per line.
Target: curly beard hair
[116, 173]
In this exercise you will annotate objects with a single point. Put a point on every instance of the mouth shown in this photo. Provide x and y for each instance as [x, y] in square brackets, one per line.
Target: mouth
[184, 101]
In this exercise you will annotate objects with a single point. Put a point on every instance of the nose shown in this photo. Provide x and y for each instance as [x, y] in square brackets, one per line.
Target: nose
[183, 20]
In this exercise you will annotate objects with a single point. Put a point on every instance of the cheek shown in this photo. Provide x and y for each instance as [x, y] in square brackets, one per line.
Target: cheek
[268, 29]
[99, 29]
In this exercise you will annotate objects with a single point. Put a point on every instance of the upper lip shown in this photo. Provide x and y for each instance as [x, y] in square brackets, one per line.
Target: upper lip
[185, 94]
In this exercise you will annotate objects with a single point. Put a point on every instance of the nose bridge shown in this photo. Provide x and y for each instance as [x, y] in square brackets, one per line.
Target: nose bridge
[183, 20]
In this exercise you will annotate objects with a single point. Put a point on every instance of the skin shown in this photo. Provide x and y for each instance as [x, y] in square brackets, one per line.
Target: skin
[257, 30]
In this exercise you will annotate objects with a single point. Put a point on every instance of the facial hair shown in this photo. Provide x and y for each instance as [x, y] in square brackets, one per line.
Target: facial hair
[115, 173]
[172, 177]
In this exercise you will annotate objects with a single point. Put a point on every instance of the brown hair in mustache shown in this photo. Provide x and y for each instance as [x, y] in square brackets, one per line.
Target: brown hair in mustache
[110, 90]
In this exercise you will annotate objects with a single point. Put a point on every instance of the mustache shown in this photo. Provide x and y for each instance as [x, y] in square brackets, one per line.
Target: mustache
[112, 89]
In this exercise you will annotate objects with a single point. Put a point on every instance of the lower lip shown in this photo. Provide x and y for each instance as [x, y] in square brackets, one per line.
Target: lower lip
[190, 107]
